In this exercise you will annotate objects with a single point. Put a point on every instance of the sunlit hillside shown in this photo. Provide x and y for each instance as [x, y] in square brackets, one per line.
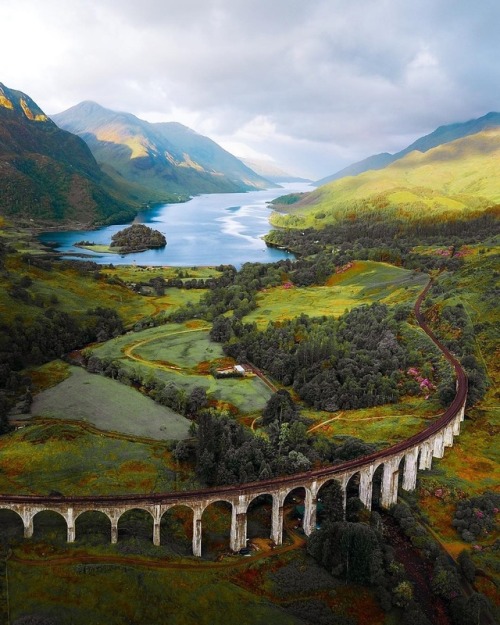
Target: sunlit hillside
[168, 159]
[453, 180]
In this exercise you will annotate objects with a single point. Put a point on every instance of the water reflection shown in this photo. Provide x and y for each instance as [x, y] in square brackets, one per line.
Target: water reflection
[208, 230]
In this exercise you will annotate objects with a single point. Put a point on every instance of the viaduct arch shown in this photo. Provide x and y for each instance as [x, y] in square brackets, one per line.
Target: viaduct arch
[416, 453]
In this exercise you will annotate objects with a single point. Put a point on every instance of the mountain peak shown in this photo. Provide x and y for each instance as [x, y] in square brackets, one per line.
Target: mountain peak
[166, 157]
[19, 103]
[49, 173]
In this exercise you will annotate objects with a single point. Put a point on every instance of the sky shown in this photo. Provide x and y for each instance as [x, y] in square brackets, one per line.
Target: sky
[308, 85]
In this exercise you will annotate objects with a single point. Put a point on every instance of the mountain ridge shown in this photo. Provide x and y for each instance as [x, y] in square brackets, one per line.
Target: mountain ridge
[50, 174]
[453, 180]
[165, 157]
[440, 136]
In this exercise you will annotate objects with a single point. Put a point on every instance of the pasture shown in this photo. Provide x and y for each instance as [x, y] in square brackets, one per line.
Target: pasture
[110, 406]
[182, 354]
[364, 283]
[75, 459]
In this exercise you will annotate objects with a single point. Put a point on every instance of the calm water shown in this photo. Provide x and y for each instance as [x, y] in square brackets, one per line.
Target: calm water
[208, 230]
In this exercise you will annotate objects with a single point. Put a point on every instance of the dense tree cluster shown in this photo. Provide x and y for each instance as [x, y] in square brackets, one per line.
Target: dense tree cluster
[234, 290]
[351, 362]
[48, 336]
[394, 235]
[136, 238]
[52, 334]
[225, 452]
[476, 517]
[356, 551]
[352, 551]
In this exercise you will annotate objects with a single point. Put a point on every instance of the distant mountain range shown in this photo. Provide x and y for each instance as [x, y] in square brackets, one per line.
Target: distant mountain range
[440, 136]
[166, 158]
[48, 173]
[270, 171]
[455, 179]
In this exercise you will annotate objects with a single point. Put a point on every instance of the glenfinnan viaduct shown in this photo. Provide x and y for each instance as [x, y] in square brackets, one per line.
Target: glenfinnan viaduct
[410, 455]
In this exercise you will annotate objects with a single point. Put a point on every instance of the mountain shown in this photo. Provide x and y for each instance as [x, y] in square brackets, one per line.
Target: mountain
[165, 157]
[48, 173]
[453, 180]
[440, 136]
[270, 171]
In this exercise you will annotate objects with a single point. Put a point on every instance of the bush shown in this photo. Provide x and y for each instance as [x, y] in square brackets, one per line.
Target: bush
[476, 516]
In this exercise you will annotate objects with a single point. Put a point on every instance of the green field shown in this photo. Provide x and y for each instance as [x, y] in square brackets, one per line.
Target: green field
[185, 349]
[364, 283]
[120, 593]
[47, 580]
[76, 460]
[182, 354]
[108, 405]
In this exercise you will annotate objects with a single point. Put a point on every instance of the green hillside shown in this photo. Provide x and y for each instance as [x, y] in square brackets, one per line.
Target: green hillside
[164, 157]
[455, 180]
[48, 173]
[440, 136]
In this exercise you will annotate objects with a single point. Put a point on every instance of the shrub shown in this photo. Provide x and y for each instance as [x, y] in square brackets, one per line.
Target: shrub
[475, 517]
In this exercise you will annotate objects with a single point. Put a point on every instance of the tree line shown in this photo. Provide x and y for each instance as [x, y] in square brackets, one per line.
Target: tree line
[355, 361]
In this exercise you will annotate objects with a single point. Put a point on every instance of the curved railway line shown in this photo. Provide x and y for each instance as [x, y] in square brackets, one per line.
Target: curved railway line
[232, 491]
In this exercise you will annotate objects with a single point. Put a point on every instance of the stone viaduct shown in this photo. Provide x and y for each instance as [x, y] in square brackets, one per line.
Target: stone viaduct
[406, 457]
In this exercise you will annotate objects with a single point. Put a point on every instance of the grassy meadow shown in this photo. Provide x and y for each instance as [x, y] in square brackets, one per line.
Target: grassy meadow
[110, 406]
[384, 425]
[364, 283]
[83, 585]
[73, 458]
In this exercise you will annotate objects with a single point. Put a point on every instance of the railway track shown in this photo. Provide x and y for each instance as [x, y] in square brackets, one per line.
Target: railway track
[352, 465]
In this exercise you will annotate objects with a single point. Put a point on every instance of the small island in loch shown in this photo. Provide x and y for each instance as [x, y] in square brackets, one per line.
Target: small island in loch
[135, 238]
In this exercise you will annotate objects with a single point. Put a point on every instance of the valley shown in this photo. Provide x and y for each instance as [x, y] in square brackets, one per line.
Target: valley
[126, 461]
[202, 422]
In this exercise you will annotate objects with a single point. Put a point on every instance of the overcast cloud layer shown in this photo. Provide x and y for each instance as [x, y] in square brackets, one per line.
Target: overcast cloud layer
[313, 85]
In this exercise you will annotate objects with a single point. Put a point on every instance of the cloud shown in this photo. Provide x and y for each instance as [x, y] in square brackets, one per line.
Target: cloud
[312, 85]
